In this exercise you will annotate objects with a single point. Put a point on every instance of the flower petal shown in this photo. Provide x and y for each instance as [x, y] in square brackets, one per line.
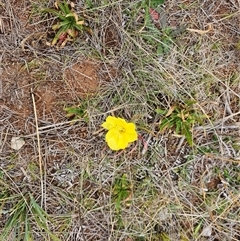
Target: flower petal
[122, 143]
[130, 137]
[112, 140]
[110, 123]
[130, 127]
[115, 140]
[113, 144]
[130, 133]
[111, 134]
[121, 122]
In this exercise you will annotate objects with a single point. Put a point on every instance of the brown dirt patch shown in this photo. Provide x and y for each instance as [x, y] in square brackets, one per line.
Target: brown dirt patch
[82, 78]
[19, 83]
[28, 66]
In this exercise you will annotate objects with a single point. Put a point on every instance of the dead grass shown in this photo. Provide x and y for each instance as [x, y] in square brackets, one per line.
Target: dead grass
[160, 188]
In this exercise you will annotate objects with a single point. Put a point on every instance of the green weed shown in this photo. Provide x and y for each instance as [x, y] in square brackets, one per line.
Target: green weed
[152, 3]
[121, 196]
[69, 23]
[77, 112]
[159, 38]
[181, 118]
[22, 214]
[121, 191]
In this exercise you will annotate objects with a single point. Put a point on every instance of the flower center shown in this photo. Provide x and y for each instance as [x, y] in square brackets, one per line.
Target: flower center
[120, 130]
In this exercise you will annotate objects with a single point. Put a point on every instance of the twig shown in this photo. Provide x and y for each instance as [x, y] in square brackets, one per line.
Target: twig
[39, 148]
[1, 89]
[4, 141]
[1, 85]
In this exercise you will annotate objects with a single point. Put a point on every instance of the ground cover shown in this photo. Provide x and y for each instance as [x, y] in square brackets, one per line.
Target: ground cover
[170, 67]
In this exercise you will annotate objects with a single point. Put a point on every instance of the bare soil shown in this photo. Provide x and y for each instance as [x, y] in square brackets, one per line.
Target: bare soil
[28, 75]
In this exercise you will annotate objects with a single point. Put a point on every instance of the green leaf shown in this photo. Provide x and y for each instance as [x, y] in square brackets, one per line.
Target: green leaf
[178, 126]
[60, 31]
[41, 218]
[197, 228]
[147, 18]
[161, 112]
[59, 15]
[76, 111]
[61, 24]
[190, 102]
[64, 8]
[121, 191]
[67, 9]
[164, 237]
[155, 3]
[70, 15]
[186, 131]
[15, 218]
[78, 27]
[164, 124]
[28, 233]
[89, 4]
[160, 49]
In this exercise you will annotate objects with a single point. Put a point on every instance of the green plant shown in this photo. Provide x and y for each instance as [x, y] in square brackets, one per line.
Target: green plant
[161, 40]
[68, 25]
[181, 118]
[76, 112]
[147, 6]
[121, 191]
[24, 211]
[153, 3]
[157, 34]
[150, 5]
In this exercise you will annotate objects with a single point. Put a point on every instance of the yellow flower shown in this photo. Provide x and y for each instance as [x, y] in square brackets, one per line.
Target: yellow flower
[120, 133]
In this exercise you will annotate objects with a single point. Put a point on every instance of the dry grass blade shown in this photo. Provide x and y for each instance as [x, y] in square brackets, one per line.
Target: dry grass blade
[210, 28]
[39, 150]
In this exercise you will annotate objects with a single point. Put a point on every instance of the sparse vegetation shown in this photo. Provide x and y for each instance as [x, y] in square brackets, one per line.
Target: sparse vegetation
[182, 119]
[171, 68]
[69, 23]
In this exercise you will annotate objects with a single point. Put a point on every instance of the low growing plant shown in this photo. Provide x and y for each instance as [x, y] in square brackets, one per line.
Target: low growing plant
[69, 24]
[77, 112]
[181, 118]
[24, 213]
[121, 191]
